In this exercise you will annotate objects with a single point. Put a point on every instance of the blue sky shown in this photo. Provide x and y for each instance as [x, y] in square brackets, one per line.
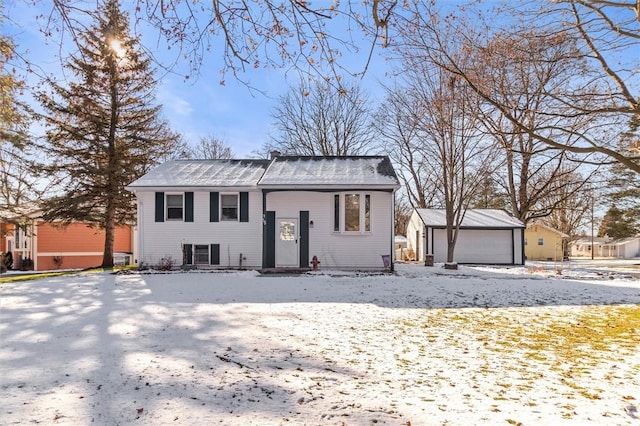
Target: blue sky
[199, 106]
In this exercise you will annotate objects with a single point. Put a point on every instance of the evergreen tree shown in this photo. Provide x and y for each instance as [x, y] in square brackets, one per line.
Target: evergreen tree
[489, 195]
[103, 130]
[624, 191]
[14, 120]
[617, 224]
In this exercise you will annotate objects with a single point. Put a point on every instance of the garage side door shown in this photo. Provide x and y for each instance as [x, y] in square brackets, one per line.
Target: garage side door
[477, 246]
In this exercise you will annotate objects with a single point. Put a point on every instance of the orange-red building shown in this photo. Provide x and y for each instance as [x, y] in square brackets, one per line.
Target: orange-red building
[51, 246]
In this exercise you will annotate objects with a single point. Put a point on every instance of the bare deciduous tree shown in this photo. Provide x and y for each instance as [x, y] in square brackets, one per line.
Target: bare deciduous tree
[457, 156]
[16, 181]
[572, 204]
[402, 214]
[600, 90]
[320, 119]
[397, 124]
[519, 71]
[211, 148]
[260, 34]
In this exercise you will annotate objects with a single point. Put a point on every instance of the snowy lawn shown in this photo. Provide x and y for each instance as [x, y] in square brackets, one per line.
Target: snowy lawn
[425, 346]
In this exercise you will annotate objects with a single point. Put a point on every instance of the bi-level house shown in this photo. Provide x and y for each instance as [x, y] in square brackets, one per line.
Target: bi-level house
[260, 214]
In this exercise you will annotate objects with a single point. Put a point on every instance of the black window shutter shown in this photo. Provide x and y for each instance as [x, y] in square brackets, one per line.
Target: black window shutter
[244, 207]
[188, 206]
[159, 206]
[214, 207]
[215, 254]
[187, 254]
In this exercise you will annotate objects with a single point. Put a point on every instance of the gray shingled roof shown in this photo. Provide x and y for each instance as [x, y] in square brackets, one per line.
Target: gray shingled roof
[473, 218]
[281, 172]
[296, 171]
[203, 173]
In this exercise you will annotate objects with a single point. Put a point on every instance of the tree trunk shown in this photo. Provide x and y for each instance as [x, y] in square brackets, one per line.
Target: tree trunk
[107, 258]
[110, 213]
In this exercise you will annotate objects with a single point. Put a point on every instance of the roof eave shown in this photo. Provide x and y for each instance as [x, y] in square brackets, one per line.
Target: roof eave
[185, 188]
[341, 187]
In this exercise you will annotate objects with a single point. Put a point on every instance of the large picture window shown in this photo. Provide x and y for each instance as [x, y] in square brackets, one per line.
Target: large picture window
[229, 207]
[175, 207]
[352, 213]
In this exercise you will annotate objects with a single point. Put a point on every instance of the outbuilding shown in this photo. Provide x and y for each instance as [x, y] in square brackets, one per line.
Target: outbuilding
[486, 236]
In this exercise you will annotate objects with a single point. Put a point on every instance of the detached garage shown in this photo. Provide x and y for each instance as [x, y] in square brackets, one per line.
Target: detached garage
[487, 236]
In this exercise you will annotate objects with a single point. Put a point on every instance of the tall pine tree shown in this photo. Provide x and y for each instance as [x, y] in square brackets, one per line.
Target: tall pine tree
[617, 224]
[623, 190]
[103, 129]
[15, 117]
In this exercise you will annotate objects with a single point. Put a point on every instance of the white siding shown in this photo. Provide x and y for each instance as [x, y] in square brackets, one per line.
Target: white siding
[495, 246]
[160, 239]
[335, 250]
[630, 249]
[415, 228]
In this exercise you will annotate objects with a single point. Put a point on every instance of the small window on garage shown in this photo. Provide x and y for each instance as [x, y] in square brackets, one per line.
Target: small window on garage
[540, 241]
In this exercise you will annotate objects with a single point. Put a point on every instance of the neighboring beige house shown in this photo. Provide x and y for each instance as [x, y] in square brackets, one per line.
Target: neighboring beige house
[627, 248]
[541, 242]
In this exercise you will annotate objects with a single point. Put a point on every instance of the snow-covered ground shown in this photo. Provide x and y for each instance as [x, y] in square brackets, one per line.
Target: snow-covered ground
[542, 344]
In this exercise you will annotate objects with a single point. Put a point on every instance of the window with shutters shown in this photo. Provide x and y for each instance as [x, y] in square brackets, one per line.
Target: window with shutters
[201, 254]
[175, 207]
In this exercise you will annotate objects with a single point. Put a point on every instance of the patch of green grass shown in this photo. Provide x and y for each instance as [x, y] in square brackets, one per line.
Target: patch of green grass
[583, 339]
[570, 341]
[28, 276]
[34, 276]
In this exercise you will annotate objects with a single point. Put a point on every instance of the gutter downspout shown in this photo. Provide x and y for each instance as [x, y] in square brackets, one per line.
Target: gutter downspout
[139, 250]
[393, 230]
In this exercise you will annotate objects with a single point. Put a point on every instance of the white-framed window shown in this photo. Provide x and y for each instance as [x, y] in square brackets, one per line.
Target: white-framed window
[201, 254]
[540, 241]
[21, 240]
[229, 207]
[175, 206]
[352, 212]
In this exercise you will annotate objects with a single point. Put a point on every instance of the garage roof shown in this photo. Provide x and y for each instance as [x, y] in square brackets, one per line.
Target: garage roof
[473, 218]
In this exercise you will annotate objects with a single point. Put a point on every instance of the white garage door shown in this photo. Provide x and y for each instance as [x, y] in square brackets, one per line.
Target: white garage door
[476, 246]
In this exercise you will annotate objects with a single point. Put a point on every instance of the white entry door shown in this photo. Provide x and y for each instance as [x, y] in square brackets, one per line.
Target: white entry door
[287, 243]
